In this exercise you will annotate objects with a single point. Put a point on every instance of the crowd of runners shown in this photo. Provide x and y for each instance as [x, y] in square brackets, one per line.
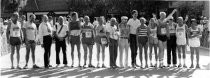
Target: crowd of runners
[160, 34]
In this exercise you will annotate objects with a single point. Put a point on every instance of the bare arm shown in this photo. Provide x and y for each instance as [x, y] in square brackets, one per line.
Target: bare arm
[8, 31]
[170, 15]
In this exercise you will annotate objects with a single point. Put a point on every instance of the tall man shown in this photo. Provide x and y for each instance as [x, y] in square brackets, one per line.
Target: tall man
[133, 23]
[30, 35]
[45, 34]
[14, 37]
[60, 42]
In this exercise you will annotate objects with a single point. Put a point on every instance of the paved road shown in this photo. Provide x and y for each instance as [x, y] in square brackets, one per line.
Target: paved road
[100, 72]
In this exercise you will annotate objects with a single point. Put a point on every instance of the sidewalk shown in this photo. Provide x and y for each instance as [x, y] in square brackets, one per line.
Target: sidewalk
[100, 72]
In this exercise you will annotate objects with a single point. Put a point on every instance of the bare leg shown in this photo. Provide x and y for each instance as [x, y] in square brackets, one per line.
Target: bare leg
[79, 54]
[103, 53]
[98, 53]
[184, 55]
[18, 54]
[72, 54]
[156, 54]
[197, 57]
[90, 54]
[27, 54]
[179, 54]
[140, 53]
[145, 54]
[150, 54]
[11, 56]
[85, 54]
[33, 53]
[192, 56]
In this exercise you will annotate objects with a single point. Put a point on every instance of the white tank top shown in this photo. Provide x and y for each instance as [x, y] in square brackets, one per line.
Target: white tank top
[15, 29]
[194, 32]
[181, 31]
[153, 32]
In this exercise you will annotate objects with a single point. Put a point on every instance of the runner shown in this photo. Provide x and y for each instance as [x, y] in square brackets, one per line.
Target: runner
[142, 40]
[171, 43]
[194, 42]
[133, 23]
[181, 31]
[74, 38]
[60, 40]
[14, 37]
[153, 41]
[30, 35]
[87, 39]
[101, 40]
[123, 41]
[162, 34]
[45, 34]
[113, 36]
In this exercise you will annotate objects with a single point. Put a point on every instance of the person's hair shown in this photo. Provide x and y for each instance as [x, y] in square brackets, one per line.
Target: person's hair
[180, 18]
[124, 17]
[113, 18]
[142, 18]
[32, 15]
[133, 12]
[163, 13]
[74, 13]
[15, 14]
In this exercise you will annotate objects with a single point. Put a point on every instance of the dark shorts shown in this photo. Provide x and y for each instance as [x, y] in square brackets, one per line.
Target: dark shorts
[14, 41]
[75, 39]
[30, 43]
[143, 40]
[88, 41]
[162, 37]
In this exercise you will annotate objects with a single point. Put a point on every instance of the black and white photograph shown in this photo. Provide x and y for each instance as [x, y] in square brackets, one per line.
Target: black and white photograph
[105, 39]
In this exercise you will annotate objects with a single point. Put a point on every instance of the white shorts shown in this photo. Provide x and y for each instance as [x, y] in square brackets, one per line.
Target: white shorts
[181, 41]
[194, 42]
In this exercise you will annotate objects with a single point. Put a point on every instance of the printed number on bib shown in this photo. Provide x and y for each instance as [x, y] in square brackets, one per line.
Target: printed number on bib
[88, 34]
[15, 33]
[163, 30]
[103, 41]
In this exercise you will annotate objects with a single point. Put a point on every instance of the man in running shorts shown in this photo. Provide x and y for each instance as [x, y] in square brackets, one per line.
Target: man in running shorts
[14, 37]
[87, 39]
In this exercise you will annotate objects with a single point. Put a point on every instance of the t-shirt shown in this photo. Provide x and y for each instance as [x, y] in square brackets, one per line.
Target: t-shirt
[30, 30]
[134, 24]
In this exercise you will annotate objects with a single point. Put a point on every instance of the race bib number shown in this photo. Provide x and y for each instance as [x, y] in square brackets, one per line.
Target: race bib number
[163, 30]
[103, 41]
[16, 33]
[88, 34]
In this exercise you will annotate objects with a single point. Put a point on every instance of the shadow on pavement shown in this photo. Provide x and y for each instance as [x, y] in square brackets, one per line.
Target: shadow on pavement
[101, 72]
